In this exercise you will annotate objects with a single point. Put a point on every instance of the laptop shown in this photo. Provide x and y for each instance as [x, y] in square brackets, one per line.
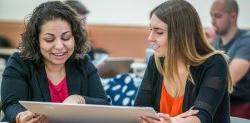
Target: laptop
[78, 113]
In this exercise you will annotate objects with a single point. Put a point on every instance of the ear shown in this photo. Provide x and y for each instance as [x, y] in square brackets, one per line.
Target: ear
[233, 15]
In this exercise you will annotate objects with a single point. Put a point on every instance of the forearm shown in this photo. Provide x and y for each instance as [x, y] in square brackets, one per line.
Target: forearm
[238, 68]
[11, 112]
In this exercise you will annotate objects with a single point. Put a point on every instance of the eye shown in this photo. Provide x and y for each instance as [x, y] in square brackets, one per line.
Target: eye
[66, 36]
[159, 32]
[49, 39]
[218, 15]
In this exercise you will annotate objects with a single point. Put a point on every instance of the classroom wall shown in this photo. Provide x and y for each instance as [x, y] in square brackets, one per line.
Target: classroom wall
[118, 26]
[117, 12]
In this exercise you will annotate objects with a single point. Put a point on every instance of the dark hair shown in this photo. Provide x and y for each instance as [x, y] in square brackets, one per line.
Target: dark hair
[30, 48]
[77, 6]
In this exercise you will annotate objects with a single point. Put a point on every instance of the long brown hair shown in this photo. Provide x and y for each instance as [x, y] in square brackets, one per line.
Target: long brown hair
[186, 40]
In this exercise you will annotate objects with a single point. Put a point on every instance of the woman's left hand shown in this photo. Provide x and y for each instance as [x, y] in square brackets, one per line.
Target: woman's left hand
[75, 99]
[163, 118]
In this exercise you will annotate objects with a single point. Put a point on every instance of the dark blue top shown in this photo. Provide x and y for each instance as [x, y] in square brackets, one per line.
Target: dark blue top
[238, 47]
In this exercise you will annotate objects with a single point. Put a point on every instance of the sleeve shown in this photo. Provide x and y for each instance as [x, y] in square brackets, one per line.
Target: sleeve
[145, 93]
[213, 88]
[96, 93]
[243, 49]
[14, 88]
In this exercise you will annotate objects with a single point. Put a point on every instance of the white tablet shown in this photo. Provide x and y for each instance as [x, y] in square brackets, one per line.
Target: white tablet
[88, 113]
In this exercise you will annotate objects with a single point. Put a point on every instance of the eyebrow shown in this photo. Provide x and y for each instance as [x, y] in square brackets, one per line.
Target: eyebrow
[52, 34]
[66, 32]
[157, 28]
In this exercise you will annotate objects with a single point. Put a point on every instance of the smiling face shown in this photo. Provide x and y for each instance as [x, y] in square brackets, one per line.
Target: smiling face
[158, 36]
[56, 42]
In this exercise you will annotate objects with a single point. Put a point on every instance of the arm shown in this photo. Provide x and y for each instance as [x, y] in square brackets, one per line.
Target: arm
[14, 88]
[213, 89]
[240, 64]
[96, 93]
[145, 93]
[238, 68]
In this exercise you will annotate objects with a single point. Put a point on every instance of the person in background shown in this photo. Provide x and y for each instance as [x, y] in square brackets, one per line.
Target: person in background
[236, 43]
[4, 43]
[186, 80]
[82, 11]
[50, 66]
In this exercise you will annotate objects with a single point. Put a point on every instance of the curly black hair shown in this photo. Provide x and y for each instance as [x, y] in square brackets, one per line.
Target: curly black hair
[29, 45]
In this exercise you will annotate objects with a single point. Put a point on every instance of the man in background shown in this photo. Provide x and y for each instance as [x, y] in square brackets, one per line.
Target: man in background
[236, 43]
[82, 11]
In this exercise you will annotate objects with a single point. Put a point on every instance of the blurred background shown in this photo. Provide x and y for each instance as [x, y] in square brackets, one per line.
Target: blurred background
[117, 26]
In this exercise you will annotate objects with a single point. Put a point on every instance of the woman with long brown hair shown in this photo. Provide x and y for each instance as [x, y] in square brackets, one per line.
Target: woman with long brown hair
[186, 80]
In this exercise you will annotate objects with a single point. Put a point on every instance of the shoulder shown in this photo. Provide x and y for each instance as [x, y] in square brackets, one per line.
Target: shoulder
[84, 63]
[17, 60]
[17, 64]
[216, 58]
[216, 61]
[244, 37]
[245, 33]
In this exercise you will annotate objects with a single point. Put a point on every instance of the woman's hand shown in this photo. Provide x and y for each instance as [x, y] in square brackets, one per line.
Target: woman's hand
[75, 99]
[29, 117]
[165, 118]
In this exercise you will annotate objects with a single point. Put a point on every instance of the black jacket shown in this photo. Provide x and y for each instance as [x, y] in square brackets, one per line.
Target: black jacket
[209, 93]
[27, 80]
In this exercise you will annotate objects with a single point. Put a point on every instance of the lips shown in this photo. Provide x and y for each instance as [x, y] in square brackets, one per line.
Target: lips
[59, 56]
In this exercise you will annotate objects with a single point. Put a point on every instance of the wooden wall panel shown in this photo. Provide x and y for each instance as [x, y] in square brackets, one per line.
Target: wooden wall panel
[119, 41]
[12, 31]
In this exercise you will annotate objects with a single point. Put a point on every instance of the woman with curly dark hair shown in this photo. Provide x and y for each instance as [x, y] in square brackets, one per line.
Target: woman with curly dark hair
[49, 66]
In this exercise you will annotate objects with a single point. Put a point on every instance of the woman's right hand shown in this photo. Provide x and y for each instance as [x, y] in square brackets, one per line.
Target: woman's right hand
[29, 117]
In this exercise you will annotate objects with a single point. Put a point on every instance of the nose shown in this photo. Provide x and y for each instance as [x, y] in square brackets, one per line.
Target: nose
[59, 44]
[151, 37]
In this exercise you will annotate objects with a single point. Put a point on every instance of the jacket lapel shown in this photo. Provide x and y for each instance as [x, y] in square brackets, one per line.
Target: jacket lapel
[43, 83]
[73, 78]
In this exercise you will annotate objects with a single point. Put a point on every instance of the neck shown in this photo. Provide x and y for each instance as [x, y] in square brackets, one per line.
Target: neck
[182, 70]
[55, 73]
[229, 36]
[54, 68]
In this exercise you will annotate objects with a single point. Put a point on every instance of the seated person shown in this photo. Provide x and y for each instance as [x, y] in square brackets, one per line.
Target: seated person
[48, 67]
[186, 80]
[82, 11]
[4, 43]
[236, 43]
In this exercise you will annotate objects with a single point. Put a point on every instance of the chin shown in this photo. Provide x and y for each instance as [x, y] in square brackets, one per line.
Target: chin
[159, 54]
[59, 62]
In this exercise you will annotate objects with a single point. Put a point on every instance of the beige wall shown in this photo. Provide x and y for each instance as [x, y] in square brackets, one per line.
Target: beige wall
[119, 41]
